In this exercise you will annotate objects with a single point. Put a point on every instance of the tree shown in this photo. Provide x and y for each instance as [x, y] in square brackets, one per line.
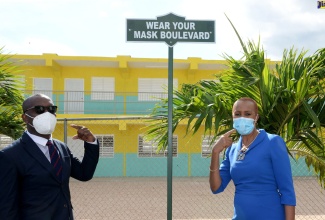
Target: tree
[290, 97]
[11, 98]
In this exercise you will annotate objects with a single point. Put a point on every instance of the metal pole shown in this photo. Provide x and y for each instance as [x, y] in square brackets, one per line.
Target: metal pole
[65, 130]
[170, 135]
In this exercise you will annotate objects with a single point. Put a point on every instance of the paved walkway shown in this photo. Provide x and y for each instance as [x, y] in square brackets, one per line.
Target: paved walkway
[146, 198]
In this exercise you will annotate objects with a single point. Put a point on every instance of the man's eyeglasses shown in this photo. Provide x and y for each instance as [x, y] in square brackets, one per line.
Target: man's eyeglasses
[41, 109]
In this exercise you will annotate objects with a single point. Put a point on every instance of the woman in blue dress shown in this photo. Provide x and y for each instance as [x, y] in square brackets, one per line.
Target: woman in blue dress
[259, 166]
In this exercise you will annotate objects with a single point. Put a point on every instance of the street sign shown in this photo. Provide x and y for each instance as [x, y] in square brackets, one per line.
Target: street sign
[170, 29]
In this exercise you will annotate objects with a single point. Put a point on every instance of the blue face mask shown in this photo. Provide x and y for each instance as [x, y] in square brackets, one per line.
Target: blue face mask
[244, 126]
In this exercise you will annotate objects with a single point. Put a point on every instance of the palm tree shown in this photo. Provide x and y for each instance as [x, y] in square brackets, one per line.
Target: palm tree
[290, 97]
[11, 98]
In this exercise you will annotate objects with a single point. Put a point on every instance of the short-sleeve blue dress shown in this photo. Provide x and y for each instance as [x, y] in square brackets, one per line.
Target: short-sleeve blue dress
[263, 179]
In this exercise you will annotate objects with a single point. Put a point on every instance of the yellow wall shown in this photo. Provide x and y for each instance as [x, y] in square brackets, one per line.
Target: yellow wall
[126, 76]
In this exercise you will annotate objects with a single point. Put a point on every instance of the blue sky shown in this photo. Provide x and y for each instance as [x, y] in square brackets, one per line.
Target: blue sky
[98, 27]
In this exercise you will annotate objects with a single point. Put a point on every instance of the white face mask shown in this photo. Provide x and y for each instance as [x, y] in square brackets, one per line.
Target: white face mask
[44, 123]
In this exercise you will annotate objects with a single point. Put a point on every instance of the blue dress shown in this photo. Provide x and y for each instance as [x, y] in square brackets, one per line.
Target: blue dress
[263, 179]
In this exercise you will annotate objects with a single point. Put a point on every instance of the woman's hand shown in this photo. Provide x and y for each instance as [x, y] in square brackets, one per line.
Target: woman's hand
[223, 142]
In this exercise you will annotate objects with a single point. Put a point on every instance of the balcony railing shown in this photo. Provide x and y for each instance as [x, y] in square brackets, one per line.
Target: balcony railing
[112, 103]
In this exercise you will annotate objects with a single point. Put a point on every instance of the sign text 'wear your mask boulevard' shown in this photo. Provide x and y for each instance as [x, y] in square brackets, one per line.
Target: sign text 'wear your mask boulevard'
[163, 34]
[171, 29]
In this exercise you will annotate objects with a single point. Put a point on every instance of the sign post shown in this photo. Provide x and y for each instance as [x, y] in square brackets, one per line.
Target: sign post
[170, 29]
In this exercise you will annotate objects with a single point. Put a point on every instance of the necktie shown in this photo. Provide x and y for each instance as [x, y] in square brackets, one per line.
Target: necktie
[55, 159]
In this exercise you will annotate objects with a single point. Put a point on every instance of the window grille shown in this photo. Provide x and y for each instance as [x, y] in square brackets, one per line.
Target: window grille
[149, 148]
[206, 147]
[106, 145]
[5, 141]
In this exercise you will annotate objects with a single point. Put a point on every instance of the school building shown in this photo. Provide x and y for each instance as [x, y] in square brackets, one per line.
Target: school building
[113, 97]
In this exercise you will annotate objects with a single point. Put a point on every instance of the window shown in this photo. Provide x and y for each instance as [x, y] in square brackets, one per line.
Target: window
[149, 148]
[5, 141]
[206, 148]
[21, 79]
[44, 86]
[74, 96]
[106, 145]
[150, 89]
[102, 88]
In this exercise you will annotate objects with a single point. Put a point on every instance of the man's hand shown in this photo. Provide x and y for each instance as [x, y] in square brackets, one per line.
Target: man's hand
[83, 133]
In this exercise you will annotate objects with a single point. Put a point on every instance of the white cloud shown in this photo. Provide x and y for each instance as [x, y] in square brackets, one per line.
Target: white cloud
[98, 28]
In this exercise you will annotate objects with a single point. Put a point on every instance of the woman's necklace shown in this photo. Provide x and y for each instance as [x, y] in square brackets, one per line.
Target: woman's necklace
[247, 146]
[243, 150]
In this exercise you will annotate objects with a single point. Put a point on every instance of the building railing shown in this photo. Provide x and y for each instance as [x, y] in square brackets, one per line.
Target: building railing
[112, 103]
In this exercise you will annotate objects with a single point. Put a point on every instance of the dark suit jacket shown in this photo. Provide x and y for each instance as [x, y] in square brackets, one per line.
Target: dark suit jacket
[29, 188]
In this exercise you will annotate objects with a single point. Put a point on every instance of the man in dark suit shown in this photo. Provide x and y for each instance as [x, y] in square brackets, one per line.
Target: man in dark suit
[34, 173]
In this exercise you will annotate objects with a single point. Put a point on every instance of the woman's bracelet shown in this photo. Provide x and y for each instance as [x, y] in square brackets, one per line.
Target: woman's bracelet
[213, 170]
